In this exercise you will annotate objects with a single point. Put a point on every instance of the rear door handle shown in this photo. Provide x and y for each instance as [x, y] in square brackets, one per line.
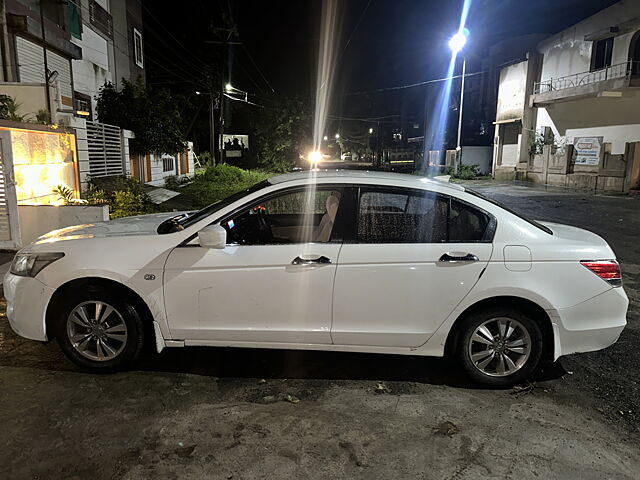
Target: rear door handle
[458, 257]
[310, 260]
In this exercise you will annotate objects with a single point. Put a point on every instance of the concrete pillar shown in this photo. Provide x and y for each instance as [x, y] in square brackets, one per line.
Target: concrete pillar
[82, 150]
[126, 136]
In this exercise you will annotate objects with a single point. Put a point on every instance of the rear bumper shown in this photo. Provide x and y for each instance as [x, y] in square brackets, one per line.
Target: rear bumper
[591, 325]
[27, 300]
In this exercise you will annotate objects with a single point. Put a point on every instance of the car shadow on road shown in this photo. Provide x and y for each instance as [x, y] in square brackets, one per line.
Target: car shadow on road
[299, 364]
[226, 362]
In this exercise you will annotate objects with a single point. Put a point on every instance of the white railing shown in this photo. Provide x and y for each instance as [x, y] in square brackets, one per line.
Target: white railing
[105, 149]
[620, 70]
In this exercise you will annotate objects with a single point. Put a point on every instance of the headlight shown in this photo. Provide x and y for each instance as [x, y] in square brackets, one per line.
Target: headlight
[30, 264]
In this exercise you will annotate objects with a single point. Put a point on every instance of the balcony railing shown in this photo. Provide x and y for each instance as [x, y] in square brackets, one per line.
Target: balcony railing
[100, 18]
[620, 70]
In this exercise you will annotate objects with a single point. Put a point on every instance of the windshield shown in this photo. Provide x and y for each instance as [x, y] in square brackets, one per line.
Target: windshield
[504, 207]
[181, 222]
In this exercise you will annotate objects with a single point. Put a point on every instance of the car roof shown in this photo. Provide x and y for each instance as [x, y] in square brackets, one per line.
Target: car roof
[360, 176]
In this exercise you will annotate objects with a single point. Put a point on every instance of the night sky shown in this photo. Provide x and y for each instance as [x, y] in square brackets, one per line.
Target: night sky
[382, 43]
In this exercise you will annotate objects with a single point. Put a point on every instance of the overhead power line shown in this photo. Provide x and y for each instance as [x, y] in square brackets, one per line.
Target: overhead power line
[412, 85]
[258, 68]
[172, 35]
[242, 100]
[346, 45]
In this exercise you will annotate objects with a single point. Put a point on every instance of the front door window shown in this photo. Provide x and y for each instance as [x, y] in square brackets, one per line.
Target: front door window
[291, 218]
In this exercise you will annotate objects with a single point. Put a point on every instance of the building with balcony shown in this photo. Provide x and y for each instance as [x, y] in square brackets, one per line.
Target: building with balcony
[80, 44]
[110, 37]
[580, 83]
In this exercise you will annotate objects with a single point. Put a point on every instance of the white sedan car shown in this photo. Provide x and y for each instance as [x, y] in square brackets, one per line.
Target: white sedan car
[342, 261]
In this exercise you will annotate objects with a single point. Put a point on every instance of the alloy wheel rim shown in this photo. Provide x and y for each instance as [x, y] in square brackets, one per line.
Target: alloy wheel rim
[97, 331]
[499, 347]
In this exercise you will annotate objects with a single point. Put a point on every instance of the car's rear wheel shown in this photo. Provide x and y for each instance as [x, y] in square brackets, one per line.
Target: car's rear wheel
[499, 347]
[99, 331]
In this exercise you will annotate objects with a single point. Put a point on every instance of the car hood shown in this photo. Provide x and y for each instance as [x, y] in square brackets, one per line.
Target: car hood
[139, 225]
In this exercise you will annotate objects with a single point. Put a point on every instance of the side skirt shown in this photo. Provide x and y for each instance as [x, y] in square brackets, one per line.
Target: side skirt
[303, 346]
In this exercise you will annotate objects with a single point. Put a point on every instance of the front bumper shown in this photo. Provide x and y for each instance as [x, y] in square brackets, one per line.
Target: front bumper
[591, 325]
[27, 300]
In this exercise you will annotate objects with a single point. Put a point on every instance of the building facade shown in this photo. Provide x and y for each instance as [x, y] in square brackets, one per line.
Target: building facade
[110, 38]
[83, 43]
[577, 88]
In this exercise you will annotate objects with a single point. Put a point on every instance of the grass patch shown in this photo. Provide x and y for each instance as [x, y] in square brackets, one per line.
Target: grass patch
[215, 183]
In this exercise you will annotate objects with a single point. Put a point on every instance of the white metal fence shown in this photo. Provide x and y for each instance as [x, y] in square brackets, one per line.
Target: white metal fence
[9, 226]
[105, 149]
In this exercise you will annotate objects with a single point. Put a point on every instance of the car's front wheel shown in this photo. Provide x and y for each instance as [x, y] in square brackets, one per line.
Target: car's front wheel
[99, 331]
[499, 347]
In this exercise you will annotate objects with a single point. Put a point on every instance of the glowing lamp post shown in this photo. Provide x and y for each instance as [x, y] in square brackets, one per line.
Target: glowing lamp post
[456, 44]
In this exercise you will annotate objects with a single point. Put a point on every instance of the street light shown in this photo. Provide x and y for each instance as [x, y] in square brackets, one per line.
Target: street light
[231, 91]
[337, 136]
[326, 138]
[458, 41]
[456, 44]
[371, 131]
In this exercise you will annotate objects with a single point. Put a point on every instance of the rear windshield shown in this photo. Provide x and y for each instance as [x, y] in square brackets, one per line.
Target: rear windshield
[504, 207]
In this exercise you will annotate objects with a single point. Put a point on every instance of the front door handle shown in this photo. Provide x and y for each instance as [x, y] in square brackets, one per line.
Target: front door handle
[458, 257]
[310, 260]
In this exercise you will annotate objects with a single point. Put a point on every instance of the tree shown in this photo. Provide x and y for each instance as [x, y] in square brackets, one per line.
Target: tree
[152, 114]
[283, 132]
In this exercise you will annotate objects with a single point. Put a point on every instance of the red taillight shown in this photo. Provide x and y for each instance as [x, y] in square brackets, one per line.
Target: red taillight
[608, 270]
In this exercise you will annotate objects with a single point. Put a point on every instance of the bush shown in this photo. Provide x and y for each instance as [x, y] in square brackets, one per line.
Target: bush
[467, 172]
[205, 159]
[171, 182]
[127, 204]
[95, 195]
[215, 183]
[125, 196]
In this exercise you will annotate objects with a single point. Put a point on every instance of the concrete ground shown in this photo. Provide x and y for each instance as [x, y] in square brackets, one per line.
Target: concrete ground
[234, 413]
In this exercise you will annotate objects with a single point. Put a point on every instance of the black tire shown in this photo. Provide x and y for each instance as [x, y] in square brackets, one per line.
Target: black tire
[127, 351]
[520, 322]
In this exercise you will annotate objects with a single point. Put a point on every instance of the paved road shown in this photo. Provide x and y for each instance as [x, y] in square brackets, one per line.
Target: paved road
[611, 376]
[233, 413]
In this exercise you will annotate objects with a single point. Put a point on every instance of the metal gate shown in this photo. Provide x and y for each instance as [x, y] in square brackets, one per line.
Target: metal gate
[105, 149]
[9, 224]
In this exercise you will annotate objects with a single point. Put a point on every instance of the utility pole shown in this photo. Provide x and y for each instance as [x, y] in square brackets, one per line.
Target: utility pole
[46, 66]
[212, 126]
[4, 41]
[227, 35]
[458, 145]
[378, 159]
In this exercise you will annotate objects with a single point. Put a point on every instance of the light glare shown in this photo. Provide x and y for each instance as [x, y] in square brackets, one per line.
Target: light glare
[314, 156]
[458, 41]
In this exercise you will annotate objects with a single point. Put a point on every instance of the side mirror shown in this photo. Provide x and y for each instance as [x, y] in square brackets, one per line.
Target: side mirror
[212, 236]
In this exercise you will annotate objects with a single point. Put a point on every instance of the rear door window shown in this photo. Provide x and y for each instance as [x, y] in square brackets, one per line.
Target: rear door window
[387, 215]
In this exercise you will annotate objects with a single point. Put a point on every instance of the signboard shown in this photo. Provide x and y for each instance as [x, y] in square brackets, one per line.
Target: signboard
[235, 142]
[511, 93]
[588, 150]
